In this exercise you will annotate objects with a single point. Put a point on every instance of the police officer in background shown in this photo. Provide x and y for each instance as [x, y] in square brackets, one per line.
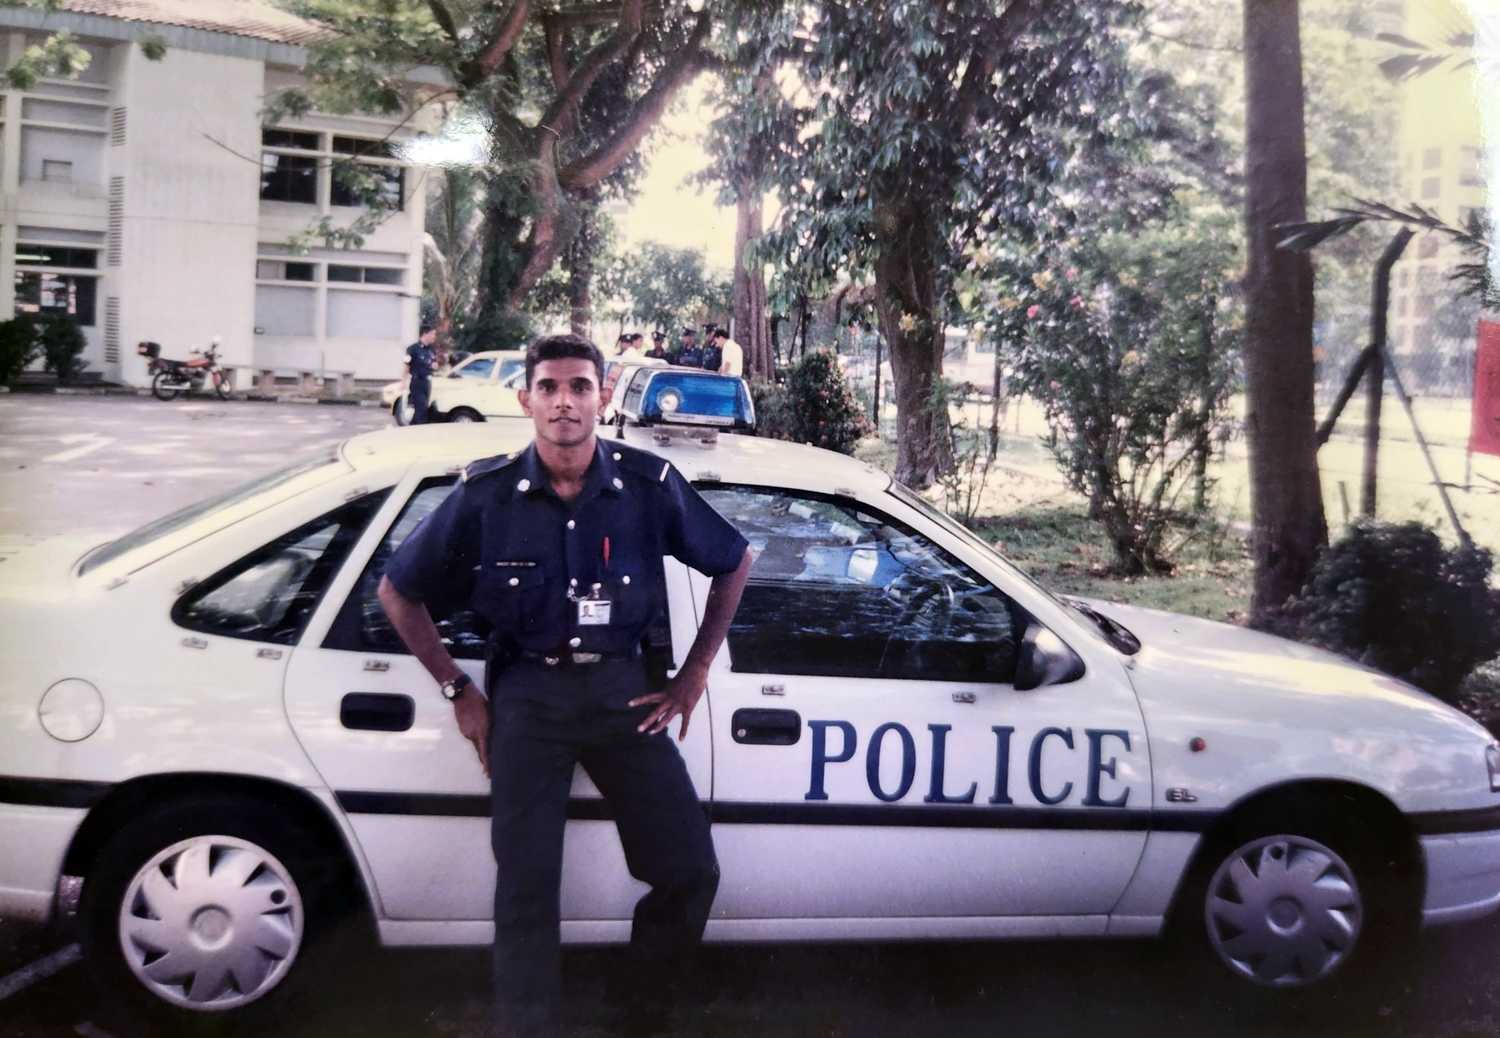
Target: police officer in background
[421, 358]
[712, 357]
[560, 547]
[690, 355]
[658, 350]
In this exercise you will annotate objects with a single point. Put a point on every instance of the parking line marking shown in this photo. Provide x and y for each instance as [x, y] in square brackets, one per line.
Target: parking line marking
[78, 452]
[39, 970]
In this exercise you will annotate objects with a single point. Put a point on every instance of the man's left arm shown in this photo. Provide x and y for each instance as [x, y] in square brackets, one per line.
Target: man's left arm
[683, 691]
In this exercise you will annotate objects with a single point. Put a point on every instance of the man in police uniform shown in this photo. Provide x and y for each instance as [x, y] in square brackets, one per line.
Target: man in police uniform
[560, 547]
[421, 358]
[657, 350]
[690, 355]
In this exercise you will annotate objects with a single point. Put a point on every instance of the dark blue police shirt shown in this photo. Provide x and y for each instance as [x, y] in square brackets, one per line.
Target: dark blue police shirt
[690, 357]
[422, 359]
[506, 545]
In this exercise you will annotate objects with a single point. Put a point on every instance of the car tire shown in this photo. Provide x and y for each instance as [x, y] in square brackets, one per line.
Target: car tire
[1291, 907]
[162, 386]
[400, 412]
[465, 414]
[202, 915]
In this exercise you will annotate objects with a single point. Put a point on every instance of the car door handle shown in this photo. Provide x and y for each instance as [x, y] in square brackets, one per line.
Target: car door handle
[377, 711]
[766, 727]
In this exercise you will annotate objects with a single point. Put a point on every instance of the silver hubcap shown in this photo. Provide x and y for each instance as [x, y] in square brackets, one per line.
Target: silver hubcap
[211, 923]
[1283, 911]
[462, 416]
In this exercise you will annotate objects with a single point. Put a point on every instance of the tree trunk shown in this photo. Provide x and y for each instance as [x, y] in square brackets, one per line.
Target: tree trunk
[1202, 446]
[750, 328]
[1286, 498]
[579, 262]
[908, 302]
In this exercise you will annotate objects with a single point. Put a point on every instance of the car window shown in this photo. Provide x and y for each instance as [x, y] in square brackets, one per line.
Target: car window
[476, 368]
[837, 589]
[362, 626]
[329, 459]
[268, 595]
[509, 368]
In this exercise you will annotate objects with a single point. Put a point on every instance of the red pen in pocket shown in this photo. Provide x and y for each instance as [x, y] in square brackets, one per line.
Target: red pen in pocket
[606, 553]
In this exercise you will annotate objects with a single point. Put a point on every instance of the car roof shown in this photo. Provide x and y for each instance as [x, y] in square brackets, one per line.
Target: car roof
[754, 460]
[499, 354]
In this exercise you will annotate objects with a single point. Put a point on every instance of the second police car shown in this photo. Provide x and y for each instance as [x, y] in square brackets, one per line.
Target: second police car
[211, 721]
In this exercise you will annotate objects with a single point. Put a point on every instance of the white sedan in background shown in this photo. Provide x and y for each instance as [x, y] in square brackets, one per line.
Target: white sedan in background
[482, 385]
[211, 721]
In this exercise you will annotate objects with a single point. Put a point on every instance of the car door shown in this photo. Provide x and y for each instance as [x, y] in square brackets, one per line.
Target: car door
[384, 740]
[872, 756]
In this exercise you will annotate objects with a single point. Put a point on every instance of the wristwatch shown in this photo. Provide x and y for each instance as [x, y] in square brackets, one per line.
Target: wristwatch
[454, 687]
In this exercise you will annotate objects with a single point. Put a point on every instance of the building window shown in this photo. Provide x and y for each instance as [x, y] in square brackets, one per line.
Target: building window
[56, 256]
[1432, 187]
[1432, 158]
[284, 270]
[1470, 173]
[56, 295]
[293, 139]
[288, 178]
[391, 186]
[1427, 247]
[366, 275]
[57, 170]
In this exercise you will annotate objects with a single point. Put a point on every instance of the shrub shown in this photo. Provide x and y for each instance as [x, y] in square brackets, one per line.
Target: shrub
[771, 417]
[1392, 596]
[18, 347]
[62, 346]
[820, 407]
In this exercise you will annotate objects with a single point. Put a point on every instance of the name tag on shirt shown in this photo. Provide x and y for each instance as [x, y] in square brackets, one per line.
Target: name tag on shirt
[593, 612]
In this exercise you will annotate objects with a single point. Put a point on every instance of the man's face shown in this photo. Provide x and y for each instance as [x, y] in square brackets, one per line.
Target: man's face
[428, 338]
[565, 400]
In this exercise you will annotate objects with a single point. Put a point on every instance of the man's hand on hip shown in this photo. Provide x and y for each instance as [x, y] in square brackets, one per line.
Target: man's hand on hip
[678, 698]
[473, 713]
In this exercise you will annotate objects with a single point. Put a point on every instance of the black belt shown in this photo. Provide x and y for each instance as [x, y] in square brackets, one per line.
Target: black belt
[574, 658]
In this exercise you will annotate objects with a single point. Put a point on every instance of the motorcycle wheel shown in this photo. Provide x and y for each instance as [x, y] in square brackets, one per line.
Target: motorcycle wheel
[164, 386]
[221, 385]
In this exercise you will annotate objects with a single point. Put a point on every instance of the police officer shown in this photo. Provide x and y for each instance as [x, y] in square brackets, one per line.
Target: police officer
[712, 355]
[421, 358]
[560, 547]
[658, 351]
[690, 355]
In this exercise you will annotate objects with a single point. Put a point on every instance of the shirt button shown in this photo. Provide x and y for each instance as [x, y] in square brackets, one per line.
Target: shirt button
[575, 642]
[619, 483]
[571, 524]
[573, 582]
[625, 579]
[523, 485]
[514, 581]
[617, 455]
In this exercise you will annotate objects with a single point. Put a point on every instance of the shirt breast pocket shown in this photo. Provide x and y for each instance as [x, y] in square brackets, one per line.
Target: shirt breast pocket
[514, 596]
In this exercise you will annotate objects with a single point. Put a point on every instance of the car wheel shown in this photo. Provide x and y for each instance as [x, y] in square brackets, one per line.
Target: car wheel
[201, 913]
[164, 386]
[464, 414]
[400, 411]
[1300, 903]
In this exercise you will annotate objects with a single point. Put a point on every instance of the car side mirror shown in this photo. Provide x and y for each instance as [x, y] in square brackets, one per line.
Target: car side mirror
[1045, 660]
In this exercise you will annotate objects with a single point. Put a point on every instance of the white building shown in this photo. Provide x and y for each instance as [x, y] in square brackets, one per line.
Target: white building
[146, 199]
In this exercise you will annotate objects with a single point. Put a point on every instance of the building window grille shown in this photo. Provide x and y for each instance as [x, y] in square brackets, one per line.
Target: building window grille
[112, 330]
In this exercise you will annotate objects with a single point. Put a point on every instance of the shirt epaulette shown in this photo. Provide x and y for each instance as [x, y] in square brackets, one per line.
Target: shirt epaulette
[651, 467]
[486, 466]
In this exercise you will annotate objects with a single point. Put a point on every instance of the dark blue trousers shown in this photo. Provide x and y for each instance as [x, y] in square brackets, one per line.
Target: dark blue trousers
[420, 391]
[546, 721]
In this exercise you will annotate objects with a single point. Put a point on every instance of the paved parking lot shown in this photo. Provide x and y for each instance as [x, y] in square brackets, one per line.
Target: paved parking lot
[110, 463]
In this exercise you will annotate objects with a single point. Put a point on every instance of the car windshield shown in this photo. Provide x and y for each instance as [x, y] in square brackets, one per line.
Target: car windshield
[159, 528]
[476, 368]
[1113, 632]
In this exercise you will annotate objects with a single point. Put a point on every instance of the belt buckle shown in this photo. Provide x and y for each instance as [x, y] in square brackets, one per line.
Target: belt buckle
[587, 657]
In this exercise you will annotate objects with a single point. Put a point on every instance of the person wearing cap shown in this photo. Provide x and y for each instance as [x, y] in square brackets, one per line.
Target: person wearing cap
[421, 358]
[658, 350]
[560, 547]
[690, 355]
[633, 353]
[731, 355]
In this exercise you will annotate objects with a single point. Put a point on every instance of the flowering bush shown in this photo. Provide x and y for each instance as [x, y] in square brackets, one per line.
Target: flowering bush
[1127, 343]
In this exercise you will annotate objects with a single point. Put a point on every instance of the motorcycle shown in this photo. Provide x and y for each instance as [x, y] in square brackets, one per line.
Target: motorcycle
[171, 377]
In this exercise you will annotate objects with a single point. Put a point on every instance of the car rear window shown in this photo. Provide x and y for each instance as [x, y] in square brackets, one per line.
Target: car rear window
[167, 524]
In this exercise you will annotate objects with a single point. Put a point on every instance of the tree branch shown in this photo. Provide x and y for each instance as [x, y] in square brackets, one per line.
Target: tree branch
[557, 60]
[596, 61]
[685, 64]
[505, 38]
[444, 18]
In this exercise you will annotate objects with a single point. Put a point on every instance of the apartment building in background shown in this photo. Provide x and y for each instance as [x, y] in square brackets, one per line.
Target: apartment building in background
[146, 200]
[1444, 169]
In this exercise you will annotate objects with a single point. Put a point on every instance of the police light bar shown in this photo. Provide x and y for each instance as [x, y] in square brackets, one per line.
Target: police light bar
[682, 396]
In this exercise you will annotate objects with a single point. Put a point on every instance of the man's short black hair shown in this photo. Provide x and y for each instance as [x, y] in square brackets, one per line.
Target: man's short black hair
[690, 331]
[720, 333]
[563, 347]
[426, 328]
[658, 336]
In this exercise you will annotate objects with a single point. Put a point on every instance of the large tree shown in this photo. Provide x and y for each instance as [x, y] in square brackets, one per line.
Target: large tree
[1288, 524]
[905, 130]
[568, 94]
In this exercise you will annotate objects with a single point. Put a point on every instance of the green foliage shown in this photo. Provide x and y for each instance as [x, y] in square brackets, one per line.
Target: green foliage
[1392, 596]
[18, 346]
[154, 48]
[816, 406]
[1127, 340]
[59, 56]
[475, 331]
[62, 345]
[666, 286]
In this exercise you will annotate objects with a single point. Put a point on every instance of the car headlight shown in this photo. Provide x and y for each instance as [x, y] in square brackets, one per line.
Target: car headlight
[1492, 761]
[669, 401]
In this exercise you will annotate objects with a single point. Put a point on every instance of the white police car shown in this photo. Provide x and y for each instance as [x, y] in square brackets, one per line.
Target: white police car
[480, 387]
[211, 721]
